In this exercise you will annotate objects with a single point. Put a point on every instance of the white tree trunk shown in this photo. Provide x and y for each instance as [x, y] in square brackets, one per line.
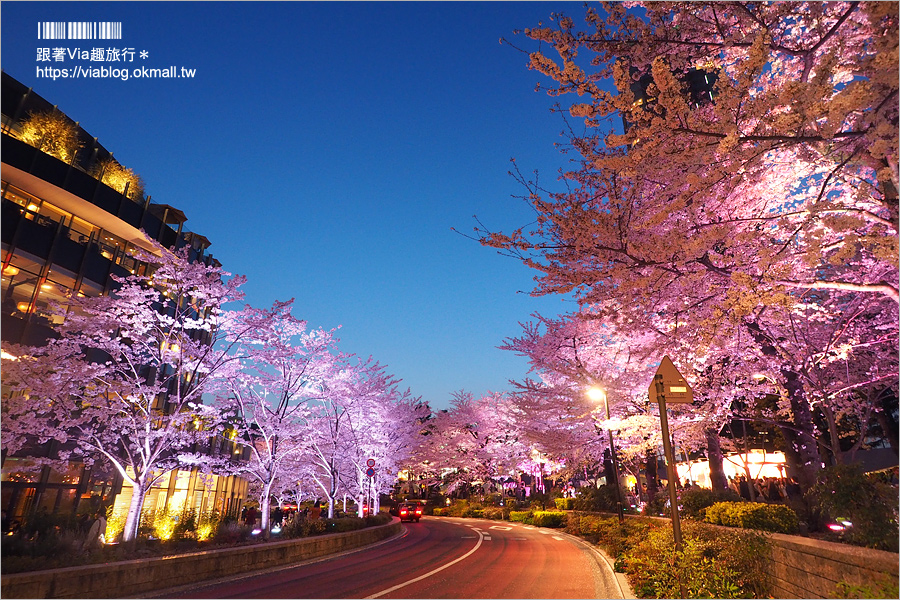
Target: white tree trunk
[264, 509]
[133, 519]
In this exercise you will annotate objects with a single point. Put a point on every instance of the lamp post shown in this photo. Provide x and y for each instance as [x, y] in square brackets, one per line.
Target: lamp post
[596, 394]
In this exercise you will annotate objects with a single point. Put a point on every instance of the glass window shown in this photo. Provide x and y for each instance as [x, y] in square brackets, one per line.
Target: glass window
[80, 230]
[20, 470]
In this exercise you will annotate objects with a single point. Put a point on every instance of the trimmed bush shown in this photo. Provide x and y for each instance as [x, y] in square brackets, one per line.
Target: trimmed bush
[547, 518]
[776, 518]
[694, 500]
[439, 512]
[565, 503]
[521, 516]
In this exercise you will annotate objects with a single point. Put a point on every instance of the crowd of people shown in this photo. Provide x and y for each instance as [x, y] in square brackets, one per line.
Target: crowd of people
[766, 489]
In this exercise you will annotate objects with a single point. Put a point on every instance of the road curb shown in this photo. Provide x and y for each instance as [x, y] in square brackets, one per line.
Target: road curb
[625, 590]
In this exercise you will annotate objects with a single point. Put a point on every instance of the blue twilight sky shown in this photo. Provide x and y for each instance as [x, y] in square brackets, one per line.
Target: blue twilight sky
[326, 150]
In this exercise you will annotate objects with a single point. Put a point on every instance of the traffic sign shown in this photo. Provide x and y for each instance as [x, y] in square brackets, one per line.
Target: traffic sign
[370, 472]
[675, 389]
[370, 462]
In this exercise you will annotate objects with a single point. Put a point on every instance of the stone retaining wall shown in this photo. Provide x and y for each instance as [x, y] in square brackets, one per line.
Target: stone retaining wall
[137, 577]
[807, 568]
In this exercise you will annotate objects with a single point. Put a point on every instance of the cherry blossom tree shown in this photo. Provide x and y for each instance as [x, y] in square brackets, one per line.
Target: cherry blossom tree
[381, 427]
[356, 419]
[477, 440]
[283, 369]
[125, 381]
[711, 213]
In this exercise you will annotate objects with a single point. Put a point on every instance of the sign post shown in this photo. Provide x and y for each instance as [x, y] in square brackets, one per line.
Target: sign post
[669, 385]
[370, 473]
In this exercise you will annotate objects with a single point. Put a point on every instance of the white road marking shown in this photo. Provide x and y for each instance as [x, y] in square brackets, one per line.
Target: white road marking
[501, 528]
[556, 537]
[487, 538]
[432, 572]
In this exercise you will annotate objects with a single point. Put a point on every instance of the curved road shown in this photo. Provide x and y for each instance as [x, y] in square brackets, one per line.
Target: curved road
[438, 558]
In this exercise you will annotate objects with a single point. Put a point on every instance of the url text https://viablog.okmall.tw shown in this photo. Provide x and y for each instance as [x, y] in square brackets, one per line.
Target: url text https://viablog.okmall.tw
[123, 73]
[103, 58]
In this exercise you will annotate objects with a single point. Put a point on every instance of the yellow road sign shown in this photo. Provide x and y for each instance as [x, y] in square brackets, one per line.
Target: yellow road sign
[674, 386]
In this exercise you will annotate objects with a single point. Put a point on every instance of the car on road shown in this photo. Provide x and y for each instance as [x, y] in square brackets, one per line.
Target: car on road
[409, 511]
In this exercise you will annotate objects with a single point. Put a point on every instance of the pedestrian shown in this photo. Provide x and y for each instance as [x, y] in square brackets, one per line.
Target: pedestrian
[277, 516]
[315, 511]
[250, 519]
[774, 493]
[744, 487]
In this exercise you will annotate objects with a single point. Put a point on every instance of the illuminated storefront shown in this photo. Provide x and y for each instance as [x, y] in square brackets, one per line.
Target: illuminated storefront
[71, 221]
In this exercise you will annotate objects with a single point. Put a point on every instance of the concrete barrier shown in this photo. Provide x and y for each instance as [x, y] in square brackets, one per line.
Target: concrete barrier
[138, 577]
[807, 568]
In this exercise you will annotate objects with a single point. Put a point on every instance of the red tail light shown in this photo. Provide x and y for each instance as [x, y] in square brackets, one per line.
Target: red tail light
[418, 511]
[403, 511]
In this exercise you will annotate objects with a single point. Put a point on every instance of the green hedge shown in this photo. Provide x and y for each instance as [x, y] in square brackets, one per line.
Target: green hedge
[565, 503]
[776, 518]
[521, 516]
[547, 518]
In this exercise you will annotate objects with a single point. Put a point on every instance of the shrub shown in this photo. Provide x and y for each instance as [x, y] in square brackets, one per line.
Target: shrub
[752, 515]
[344, 524]
[608, 533]
[462, 508]
[546, 518]
[694, 500]
[498, 513]
[883, 587]
[232, 533]
[601, 499]
[712, 564]
[120, 178]
[521, 516]
[565, 503]
[439, 512]
[659, 506]
[844, 492]
[53, 133]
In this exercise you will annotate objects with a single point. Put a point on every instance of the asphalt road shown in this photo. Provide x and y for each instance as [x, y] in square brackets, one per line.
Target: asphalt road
[438, 558]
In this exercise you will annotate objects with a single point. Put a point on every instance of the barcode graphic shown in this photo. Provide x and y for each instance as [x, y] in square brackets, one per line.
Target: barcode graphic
[80, 30]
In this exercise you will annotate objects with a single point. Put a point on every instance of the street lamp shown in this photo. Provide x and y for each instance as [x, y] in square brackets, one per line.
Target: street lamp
[596, 394]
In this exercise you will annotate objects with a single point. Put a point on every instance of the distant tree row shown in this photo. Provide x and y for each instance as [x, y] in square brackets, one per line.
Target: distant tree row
[125, 384]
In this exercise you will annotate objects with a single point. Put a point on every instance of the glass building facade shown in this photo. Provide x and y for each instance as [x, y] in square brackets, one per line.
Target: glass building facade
[72, 217]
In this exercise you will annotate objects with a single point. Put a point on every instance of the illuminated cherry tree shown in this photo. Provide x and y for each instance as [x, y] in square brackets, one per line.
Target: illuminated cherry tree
[724, 206]
[382, 427]
[125, 381]
[361, 415]
[267, 397]
[478, 440]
